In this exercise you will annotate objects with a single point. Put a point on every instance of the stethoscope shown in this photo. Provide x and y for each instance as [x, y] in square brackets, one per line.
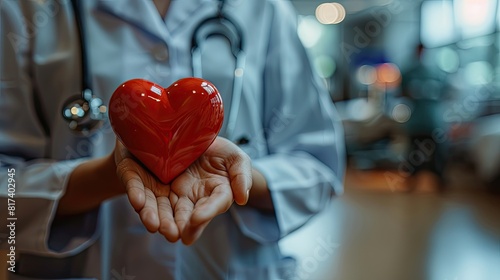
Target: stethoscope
[85, 113]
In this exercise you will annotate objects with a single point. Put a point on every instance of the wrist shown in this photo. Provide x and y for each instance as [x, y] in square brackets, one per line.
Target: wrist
[89, 184]
[109, 170]
[260, 196]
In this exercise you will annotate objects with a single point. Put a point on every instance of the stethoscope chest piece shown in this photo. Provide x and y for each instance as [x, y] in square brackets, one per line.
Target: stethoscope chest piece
[86, 114]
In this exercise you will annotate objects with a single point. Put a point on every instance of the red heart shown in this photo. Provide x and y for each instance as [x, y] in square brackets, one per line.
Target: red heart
[166, 129]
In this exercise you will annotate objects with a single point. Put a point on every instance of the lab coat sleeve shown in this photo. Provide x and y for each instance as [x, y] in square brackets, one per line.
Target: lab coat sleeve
[304, 135]
[30, 186]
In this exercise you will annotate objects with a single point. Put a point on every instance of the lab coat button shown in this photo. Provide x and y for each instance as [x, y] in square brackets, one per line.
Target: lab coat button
[160, 53]
[242, 141]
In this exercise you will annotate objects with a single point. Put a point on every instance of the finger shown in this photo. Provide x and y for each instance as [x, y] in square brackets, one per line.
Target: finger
[126, 171]
[192, 233]
[168, 227]
[241, 185]
[240, 175]
[205, 210]
[121, 152]
[183, 210]
[149, 213]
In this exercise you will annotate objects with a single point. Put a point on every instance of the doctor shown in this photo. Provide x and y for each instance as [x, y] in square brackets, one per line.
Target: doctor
[284, 121]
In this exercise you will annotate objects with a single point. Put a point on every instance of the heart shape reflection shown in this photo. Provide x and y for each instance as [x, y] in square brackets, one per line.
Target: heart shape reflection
[166, 129]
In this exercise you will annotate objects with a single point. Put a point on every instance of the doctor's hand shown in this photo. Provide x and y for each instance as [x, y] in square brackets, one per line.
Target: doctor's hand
[182, 209]
[219, 177]
[147, 195]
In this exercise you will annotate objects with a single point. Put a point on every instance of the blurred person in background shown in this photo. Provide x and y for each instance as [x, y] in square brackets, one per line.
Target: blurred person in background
[426, 88]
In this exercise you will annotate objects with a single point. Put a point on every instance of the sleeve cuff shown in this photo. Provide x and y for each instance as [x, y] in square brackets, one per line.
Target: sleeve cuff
[40, 232]
[292, 210]
[261, 227]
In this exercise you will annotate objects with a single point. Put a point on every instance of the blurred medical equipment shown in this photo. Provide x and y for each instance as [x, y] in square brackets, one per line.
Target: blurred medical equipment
[84, 112]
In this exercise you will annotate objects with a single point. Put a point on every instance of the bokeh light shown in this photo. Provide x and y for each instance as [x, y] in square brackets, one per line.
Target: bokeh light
[474, 12]
[325, 65]
[448, 60]
[479, 73]
[360, 109]
[388, 75]
[401, 113]
[366, 74]
[330, 13]
[475, 17]
[309, 30]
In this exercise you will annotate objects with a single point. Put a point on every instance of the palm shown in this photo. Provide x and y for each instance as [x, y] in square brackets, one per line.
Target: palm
[208, 188]
[185, 207]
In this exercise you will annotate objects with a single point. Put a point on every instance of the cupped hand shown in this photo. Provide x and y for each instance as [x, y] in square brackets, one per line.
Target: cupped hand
[147, 195]
[219, 177]
[182, 209]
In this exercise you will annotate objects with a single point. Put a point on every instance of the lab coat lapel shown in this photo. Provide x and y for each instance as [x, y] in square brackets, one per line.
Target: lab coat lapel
[181, 11]
[143, 14]
[140, 13]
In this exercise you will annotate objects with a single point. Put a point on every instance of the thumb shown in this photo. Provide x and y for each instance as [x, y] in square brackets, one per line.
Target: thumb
[240, 174]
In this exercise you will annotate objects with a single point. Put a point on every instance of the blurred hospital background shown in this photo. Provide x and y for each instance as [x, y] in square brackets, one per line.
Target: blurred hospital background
[417, 85]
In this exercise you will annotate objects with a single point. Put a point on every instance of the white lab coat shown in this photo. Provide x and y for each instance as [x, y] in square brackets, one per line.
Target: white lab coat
[294, 136]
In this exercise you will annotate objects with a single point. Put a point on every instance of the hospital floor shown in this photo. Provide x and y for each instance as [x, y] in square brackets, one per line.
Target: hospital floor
[377, 231]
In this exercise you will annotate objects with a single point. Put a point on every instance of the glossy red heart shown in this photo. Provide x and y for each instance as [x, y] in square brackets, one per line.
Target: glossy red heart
[166, 129]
